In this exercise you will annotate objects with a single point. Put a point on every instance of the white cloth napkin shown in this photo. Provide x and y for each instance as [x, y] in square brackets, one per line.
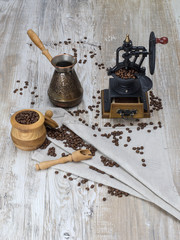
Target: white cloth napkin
[153, 182]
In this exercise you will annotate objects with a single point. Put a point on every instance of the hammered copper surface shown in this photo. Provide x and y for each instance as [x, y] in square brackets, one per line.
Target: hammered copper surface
[65, 88]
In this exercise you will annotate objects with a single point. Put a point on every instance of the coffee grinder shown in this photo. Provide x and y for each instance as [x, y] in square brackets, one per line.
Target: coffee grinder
[127, 96]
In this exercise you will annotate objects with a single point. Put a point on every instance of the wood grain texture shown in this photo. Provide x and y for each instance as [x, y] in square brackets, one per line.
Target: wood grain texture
[44, 205]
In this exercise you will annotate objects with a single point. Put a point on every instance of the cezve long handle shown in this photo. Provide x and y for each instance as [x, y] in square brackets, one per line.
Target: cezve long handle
[76, 156]
[33, 36]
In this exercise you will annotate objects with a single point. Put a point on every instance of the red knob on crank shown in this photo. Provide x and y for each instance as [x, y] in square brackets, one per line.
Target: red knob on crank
[162, 40]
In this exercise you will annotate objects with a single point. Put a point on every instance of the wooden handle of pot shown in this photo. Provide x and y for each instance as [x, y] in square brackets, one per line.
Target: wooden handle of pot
[48, 164]
[33, 36]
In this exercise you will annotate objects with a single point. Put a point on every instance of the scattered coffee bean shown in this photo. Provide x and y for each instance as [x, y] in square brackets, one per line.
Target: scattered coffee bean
[15, 90]
[56, 172]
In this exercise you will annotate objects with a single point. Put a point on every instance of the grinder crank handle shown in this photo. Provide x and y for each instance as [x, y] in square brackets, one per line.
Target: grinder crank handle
[162, 40]
[76, 157]
[36, 40]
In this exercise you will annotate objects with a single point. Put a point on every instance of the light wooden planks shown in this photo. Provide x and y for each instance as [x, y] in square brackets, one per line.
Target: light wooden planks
[43, 205]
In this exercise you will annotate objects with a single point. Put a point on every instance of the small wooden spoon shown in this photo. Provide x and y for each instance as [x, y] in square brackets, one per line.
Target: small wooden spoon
[76, 156]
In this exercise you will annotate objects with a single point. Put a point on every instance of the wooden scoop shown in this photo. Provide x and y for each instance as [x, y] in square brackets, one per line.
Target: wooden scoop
[76, 156]
[36, 40]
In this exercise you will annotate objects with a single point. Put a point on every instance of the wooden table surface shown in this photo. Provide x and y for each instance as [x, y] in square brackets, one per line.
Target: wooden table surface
[44, 205]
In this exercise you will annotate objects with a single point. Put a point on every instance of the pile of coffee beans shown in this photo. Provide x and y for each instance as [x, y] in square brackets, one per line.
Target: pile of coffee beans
[116, 192]
[69, 138]
[126, 74]
[109, 163]
[138, 150]
[27, 117]
[52, 152]
[96, 169]
[116, 135]
[45, 144]
[155, 102]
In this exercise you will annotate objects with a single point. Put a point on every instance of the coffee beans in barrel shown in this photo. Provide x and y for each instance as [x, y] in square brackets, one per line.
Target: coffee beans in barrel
[27, 117]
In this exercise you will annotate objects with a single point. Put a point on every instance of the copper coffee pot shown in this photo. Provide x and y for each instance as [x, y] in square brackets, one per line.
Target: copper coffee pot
[65, 89]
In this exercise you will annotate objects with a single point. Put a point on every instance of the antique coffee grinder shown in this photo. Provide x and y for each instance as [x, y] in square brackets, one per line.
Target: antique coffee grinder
[127, 94]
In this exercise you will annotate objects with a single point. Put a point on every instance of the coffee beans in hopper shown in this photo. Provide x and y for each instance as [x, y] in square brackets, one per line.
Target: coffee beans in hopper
[126, 74]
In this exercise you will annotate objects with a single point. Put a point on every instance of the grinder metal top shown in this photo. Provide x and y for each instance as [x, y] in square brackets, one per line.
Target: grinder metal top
[137, 51]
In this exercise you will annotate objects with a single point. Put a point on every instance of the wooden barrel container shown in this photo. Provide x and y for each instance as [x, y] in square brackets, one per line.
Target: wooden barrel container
[28, 136]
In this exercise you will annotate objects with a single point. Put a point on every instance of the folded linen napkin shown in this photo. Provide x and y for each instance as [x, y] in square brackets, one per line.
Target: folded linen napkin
[82, 170]
[153, 182]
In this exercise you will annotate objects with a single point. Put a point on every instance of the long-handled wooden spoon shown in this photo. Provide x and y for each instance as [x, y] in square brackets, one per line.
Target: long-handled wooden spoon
[76, 156]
